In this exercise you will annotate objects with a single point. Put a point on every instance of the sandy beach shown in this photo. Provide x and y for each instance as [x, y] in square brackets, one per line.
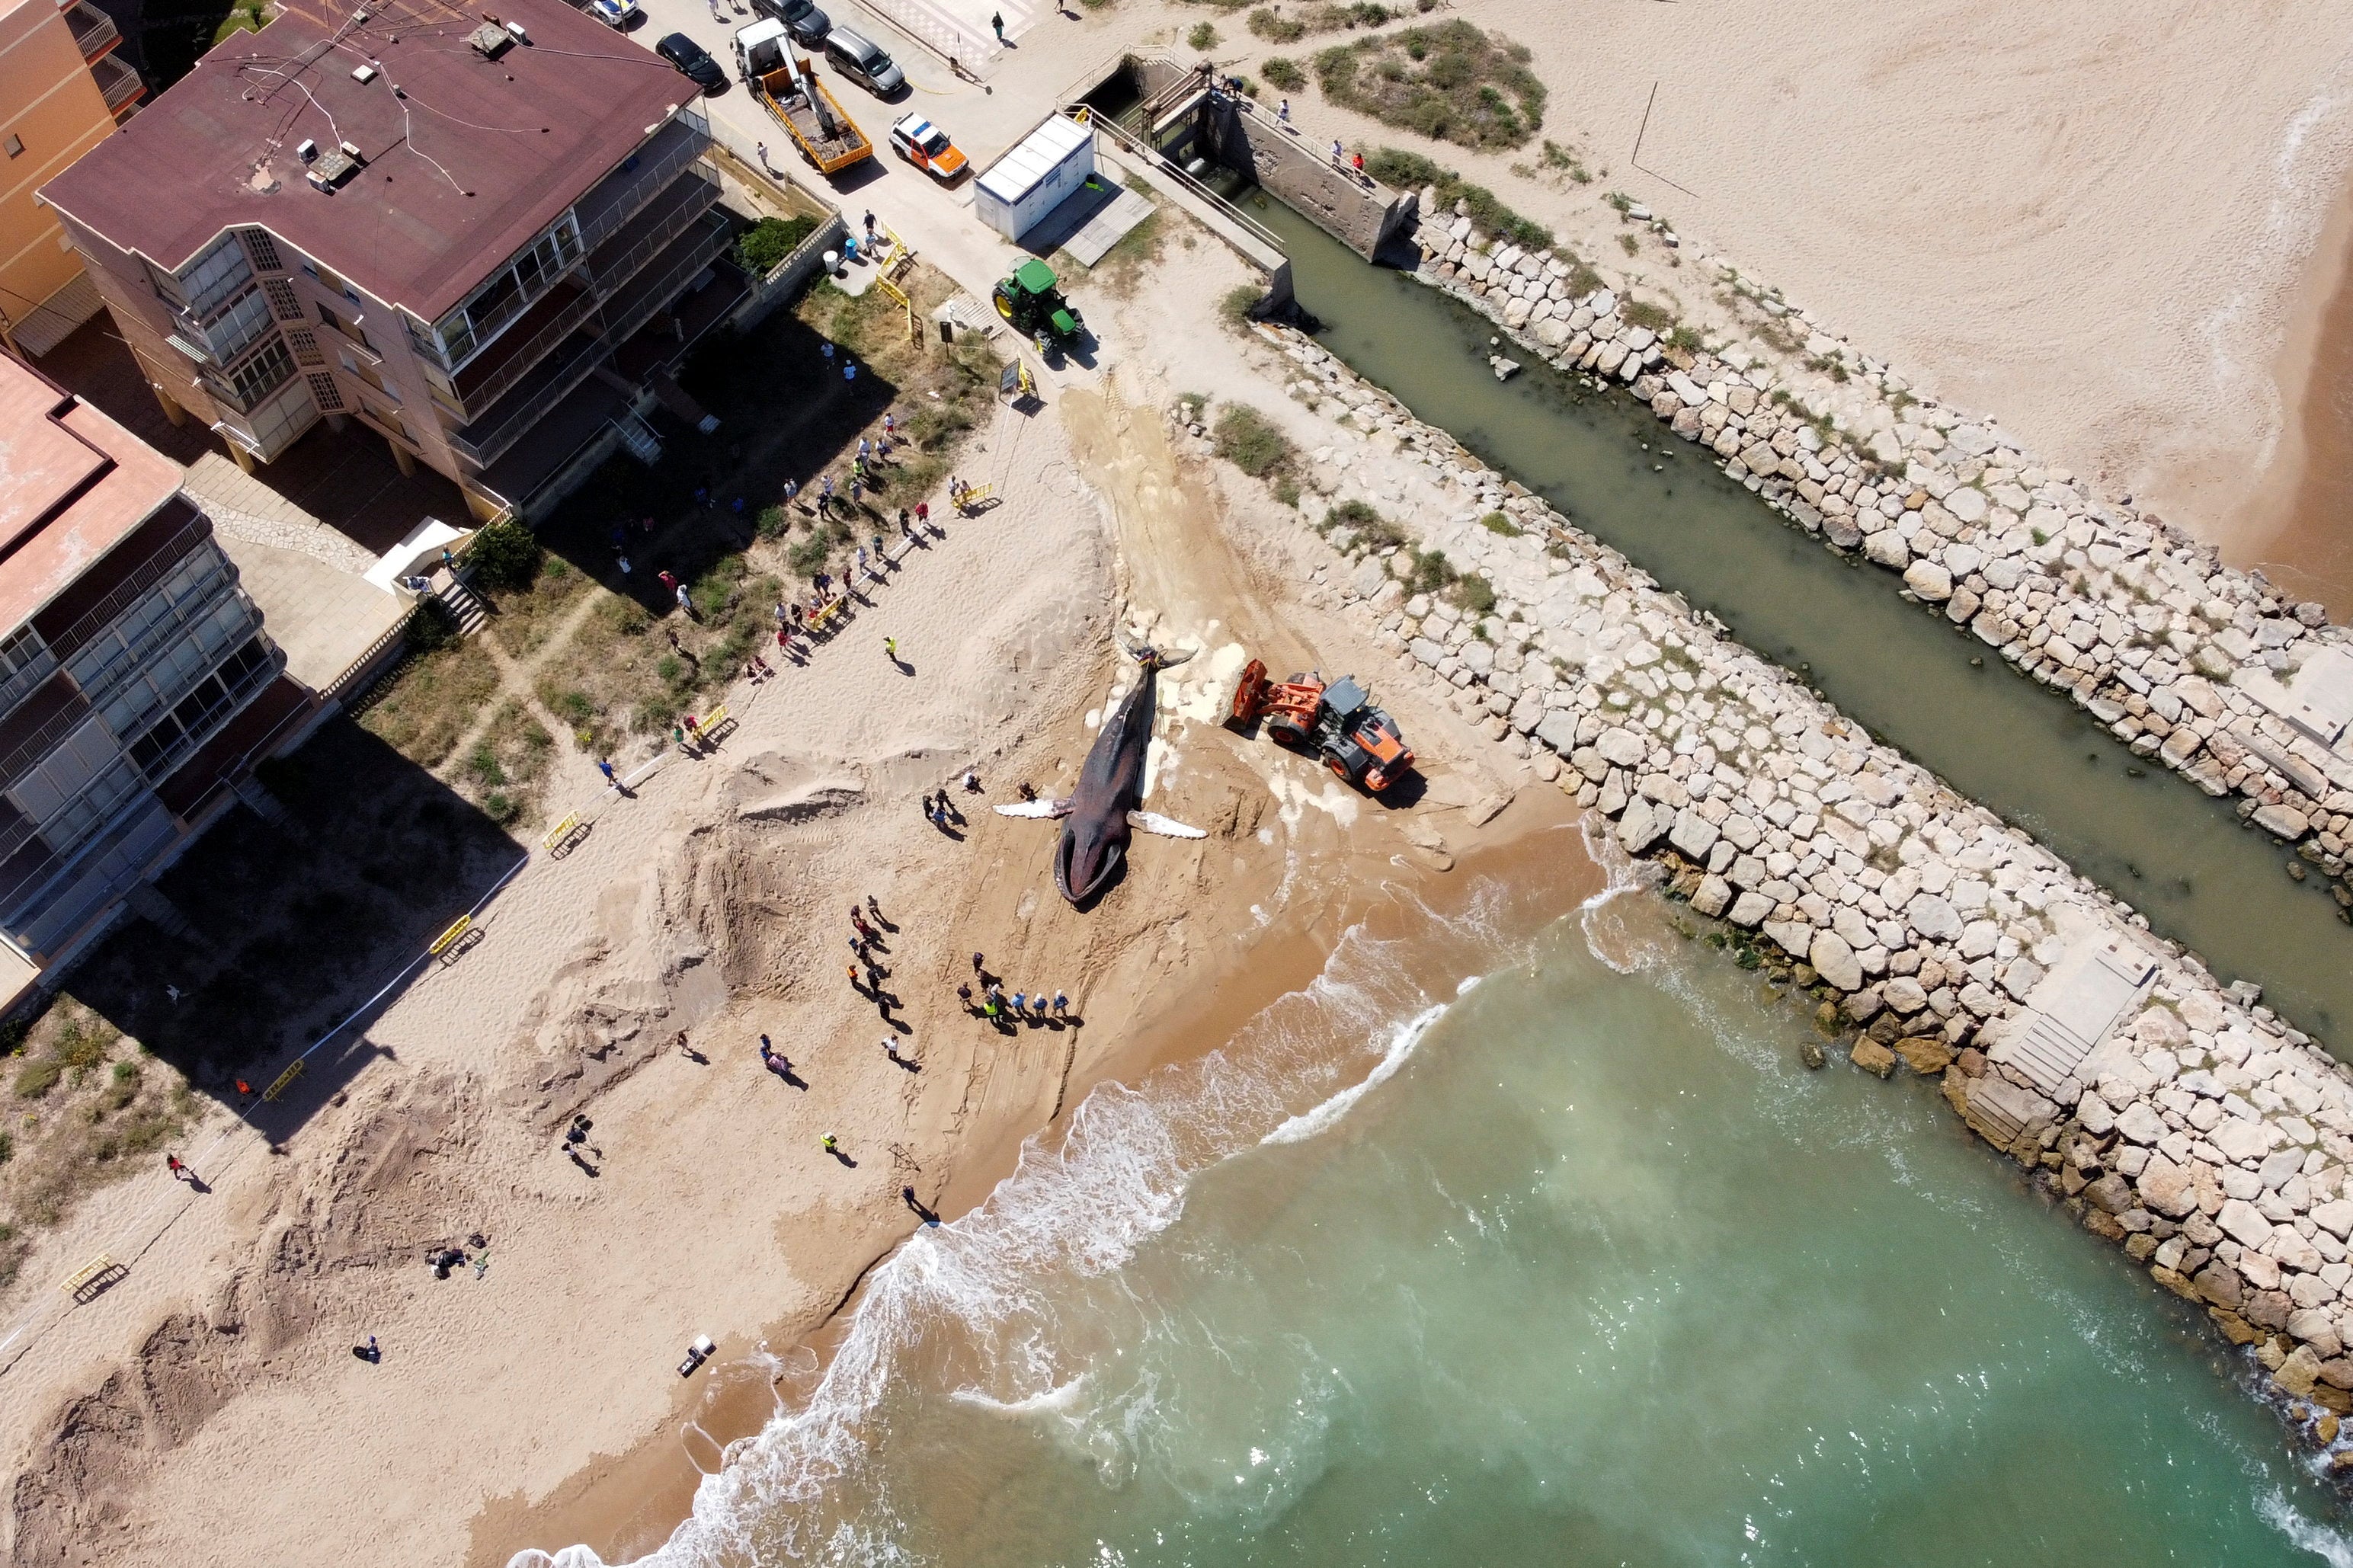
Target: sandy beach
[2117, 230]
[630, 980]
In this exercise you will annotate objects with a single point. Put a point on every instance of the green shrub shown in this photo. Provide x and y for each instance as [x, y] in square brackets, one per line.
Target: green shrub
[1496, 523]
[1396, 167]
[766, 243]
[1643, 314]
[1275, 28]
[807, 557]
[37, 1077]
[1285, 74]
[1203, 38]
[500, 807]
[1431, 573]
[772, 522]
[1239, 301]
[1373, 531]
[505, 554]
[432, 626]
[1452, 83]
[1473, 593]
[1244, 437]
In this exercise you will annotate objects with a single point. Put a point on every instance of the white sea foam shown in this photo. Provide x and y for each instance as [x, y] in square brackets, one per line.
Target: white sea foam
[1326, 1116]
[2331, 1547]
[971, 1305]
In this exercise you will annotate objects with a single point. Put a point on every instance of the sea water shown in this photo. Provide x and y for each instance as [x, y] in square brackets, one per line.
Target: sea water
[1508, 1242]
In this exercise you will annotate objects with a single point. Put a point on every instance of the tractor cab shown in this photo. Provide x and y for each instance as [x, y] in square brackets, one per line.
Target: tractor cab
[1031, 299]
[1361, 744]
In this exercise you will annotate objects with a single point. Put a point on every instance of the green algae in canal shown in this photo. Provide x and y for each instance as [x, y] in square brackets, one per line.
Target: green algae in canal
[1897, 668]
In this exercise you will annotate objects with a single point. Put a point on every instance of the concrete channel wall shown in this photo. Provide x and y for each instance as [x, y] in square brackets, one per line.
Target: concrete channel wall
[2168, 1113]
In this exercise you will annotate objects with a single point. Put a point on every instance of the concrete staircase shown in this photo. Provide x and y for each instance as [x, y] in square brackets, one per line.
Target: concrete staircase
[472, 614]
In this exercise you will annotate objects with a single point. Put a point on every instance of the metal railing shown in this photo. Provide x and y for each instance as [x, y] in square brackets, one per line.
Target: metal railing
[94, 31]
[714, 242]
[485, 448]
[649, 181]
[117, 82]
[520, 364]
[152, 571]
[127, 661]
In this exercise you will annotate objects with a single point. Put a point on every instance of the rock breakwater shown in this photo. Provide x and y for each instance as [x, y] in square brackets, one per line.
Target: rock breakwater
[2208, 670]
[2173, 1115]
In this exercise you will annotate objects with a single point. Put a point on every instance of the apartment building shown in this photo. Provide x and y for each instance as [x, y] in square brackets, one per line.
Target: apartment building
[61, 92]
[137, 686]
[484, 241]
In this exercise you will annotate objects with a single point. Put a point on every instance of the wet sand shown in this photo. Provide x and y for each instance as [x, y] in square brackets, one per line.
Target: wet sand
[2297, 525]
[625, 1505]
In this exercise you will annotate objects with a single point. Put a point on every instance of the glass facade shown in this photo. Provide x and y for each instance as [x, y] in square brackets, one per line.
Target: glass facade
[505, 295]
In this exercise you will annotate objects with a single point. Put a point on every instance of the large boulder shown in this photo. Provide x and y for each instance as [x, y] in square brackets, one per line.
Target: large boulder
[1929, 581]
[2165, 1188]
[2243, 1224]
[1835, 962]
[1641, 827]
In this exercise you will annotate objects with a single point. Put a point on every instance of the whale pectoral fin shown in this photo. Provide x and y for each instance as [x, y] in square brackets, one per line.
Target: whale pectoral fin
[1167, 827]
[1036, 808]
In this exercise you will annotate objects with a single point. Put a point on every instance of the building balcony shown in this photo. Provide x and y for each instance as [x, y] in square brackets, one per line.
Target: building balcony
[656, 281]
[665, 276]
[94, 31]
[552, 318]
[612, 265]
[118, 83]
[619, 197]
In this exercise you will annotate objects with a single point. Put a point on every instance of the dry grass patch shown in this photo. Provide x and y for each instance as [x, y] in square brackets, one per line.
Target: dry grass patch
[1451, 83]
[84, 1106]
[422, 708]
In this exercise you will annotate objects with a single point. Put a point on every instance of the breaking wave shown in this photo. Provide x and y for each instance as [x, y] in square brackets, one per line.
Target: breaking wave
[970, 1306]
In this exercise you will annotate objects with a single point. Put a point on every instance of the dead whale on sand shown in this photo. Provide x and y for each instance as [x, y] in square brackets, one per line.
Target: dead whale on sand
[1099, 814]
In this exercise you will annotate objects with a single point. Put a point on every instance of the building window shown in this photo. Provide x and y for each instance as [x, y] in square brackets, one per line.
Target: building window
[263, 249]
[322, 390]
[214, 277]
[505, 295]
[305, 344]
[257, 377]
[191, 719]
[282, 302]
[349, 329]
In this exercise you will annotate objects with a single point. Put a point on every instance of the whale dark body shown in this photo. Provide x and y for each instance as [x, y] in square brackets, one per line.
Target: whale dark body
[1111, 785]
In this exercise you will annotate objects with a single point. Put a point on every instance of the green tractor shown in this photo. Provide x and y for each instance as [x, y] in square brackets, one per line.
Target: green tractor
[1032, 302]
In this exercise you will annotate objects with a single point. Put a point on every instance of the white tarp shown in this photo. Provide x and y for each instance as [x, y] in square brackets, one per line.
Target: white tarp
[416, 555]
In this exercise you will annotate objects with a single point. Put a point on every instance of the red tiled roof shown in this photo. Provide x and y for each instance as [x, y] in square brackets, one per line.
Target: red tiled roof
[465, 162]
[73, 485]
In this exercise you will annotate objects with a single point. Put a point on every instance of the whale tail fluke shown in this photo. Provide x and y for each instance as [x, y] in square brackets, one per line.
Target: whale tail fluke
[1153, 658]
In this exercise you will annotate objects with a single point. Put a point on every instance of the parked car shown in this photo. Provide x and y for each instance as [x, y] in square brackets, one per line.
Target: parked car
[694, 62]
[863, 61]
[927, 147]
[620, 14]
[806, 24]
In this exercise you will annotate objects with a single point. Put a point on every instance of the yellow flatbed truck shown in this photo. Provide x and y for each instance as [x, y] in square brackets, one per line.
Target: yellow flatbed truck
[776, 73]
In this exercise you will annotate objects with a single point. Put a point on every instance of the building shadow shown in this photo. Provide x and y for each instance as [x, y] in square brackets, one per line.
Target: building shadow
[346, 479]
[286, 927]
[785, 414]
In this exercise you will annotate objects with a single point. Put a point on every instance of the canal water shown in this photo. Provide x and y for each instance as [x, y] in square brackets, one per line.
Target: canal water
[1898, 668]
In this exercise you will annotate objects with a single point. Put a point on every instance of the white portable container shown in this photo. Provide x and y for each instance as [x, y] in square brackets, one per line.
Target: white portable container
[1034, 176]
